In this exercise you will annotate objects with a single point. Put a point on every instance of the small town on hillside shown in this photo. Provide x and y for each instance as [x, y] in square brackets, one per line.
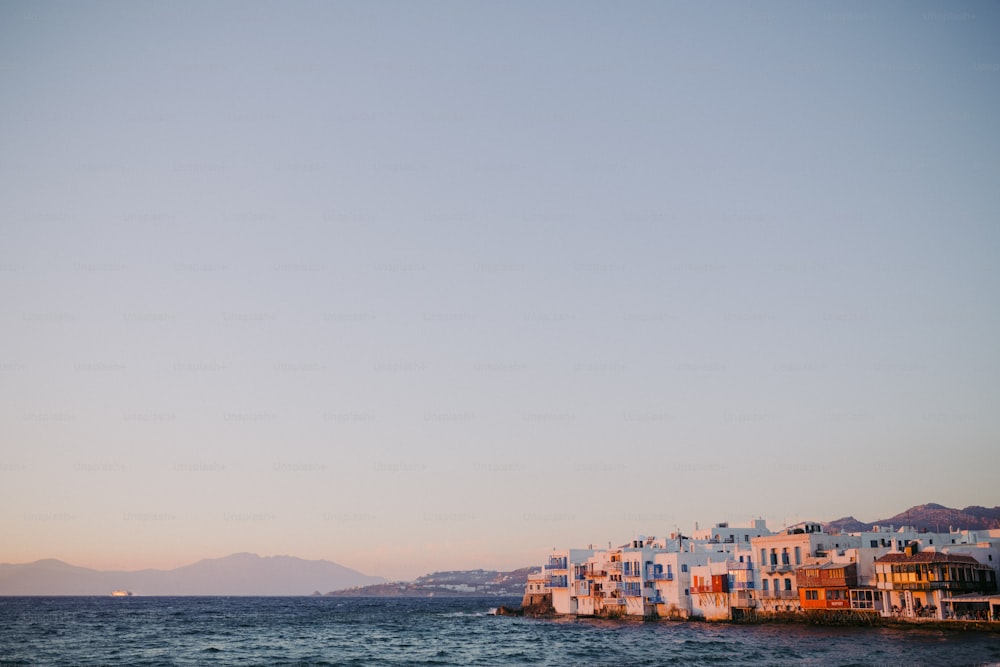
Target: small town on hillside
[753, 574]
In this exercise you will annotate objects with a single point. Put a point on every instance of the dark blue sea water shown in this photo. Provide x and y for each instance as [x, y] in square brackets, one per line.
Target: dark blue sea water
[357, 631]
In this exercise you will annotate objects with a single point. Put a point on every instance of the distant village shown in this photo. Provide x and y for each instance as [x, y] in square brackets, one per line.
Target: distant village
[457, 583]
[751, 574]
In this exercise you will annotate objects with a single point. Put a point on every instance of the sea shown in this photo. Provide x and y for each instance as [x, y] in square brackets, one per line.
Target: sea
[313, 631]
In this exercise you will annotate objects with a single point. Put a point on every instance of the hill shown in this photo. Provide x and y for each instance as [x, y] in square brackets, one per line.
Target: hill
[238, 574]
[931, 517]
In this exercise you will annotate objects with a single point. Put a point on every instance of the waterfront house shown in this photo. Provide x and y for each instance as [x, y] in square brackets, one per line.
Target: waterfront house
[709, 591]
[914, 583]
[560, 568]
[780, 555]
[826, 585]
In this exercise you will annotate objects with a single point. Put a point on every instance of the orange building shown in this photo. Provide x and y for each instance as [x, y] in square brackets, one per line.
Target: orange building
[826, 585]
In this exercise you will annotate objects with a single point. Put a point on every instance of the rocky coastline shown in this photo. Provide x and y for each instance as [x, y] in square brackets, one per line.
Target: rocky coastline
[539, 605]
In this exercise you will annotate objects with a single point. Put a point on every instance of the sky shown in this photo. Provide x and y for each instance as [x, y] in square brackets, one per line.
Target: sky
[443, 285]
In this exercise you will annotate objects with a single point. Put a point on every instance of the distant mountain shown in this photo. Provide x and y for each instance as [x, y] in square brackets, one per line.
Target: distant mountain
[932, 517]
[238, 574]
[459, 583]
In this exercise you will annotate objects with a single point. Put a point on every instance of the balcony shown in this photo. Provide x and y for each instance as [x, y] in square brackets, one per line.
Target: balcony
[951, 586]
[734, 565]
[556, 564]
[613, 566]
[662, 576]
[703, 589]
[780, 595]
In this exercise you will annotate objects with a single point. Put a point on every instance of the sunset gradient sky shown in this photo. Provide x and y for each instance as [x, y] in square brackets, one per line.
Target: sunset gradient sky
[428, 285]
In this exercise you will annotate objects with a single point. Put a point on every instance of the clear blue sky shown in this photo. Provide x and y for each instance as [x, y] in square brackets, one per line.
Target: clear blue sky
[416, 286]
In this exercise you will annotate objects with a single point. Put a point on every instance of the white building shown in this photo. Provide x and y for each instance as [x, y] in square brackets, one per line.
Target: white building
[653, 577]
[779, 556]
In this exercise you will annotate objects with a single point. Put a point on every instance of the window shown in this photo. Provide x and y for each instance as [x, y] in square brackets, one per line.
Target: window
[874, 543]
[784, 556]
[788, 584]
[684, 567]
[764, 585]
[798, 556]
[763, 556]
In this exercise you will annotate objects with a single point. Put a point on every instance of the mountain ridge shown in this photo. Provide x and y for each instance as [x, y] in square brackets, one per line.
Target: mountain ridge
[237, 574]
[929, 516]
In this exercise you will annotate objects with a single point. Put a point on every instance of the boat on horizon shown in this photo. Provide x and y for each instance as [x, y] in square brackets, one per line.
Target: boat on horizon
[121, 594]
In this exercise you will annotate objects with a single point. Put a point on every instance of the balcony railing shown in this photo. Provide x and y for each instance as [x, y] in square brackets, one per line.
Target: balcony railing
[734, 565]
[662, 576]
[953, 586]
[556, 564]
[780, 595]
[780, 567]
[615, 566]
[703, 589]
